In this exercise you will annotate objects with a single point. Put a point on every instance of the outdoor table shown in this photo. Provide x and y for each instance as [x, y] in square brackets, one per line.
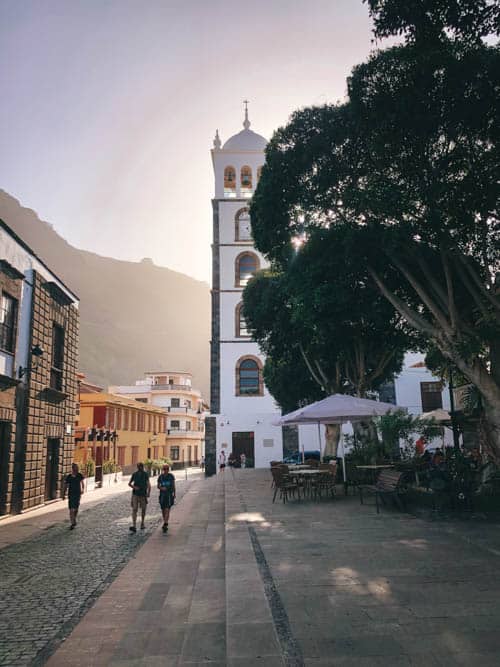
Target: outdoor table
[374, 469]
[306, 475]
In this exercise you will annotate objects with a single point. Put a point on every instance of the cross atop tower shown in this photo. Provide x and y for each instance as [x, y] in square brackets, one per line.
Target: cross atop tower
[246, 122]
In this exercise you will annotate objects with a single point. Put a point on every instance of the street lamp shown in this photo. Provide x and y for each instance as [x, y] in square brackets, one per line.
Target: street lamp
[37, 352]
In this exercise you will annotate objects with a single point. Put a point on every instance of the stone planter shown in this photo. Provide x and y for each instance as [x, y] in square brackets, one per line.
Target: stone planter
[110, 478]
[89, 484]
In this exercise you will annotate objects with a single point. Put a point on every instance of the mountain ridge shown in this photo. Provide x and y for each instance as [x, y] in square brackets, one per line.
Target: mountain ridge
[134, 316]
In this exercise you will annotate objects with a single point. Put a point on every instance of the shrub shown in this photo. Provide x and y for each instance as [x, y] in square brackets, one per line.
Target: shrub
[88, 468]
[109, 467]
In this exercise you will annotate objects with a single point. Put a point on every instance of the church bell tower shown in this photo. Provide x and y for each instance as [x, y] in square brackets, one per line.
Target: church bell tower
[242, 410]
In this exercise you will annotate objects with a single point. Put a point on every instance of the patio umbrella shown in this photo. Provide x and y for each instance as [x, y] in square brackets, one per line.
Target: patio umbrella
[438, 415]
[337, 409]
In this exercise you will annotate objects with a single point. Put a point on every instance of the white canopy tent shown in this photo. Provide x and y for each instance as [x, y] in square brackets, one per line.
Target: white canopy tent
[337, 409]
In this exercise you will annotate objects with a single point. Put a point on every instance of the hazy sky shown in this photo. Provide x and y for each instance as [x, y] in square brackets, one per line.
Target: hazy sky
[109, 107]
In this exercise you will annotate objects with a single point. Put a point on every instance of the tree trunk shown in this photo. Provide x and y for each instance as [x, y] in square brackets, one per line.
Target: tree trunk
[492, 430]
[332, 436]
[366, 432]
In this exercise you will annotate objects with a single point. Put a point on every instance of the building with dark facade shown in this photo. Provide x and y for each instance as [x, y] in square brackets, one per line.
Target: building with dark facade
[38, 377]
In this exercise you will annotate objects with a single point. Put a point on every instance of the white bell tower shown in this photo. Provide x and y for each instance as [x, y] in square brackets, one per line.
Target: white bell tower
[242, 410]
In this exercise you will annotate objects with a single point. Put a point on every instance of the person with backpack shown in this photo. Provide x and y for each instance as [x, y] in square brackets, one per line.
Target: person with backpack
[141, 488]
[166, 486]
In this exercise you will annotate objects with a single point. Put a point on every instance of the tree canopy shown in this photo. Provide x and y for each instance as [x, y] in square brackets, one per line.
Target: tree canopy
[325, 319]
[408, 168]
[435, 20]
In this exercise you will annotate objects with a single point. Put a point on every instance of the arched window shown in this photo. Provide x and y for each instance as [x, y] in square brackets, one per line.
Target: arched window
[242, 229]
[240, 324]
[246, 265]
[249, 377]
[230, 181]
[246, 179]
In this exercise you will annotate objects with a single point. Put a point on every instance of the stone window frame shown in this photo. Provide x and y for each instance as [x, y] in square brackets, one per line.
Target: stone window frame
[15, 320]
[260, 366]
[245, 253]
[58, 352]
[237, 322]
[237, 215]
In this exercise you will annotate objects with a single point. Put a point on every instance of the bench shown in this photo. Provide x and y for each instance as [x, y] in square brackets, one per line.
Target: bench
[389, 483]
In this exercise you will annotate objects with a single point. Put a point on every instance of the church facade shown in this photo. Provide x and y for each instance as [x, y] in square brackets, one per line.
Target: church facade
[242, 410]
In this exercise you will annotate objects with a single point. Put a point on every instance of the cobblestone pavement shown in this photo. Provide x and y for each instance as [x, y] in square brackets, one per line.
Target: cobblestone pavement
[48, 582]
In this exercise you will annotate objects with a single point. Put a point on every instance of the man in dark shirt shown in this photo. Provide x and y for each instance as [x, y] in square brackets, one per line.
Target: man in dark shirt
[141, 488]
[166, 485]
[73, 485]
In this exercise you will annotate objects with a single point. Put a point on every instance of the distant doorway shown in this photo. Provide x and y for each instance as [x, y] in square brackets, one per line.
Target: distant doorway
[5, 437]
[51, 468]
[244, 443]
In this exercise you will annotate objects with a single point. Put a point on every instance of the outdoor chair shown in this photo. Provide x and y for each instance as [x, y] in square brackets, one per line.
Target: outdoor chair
[284, 485]
[325, 482]
[390, 483]
[354, 477]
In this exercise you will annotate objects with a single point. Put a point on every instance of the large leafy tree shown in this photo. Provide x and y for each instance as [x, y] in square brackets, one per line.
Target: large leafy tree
[325, 329]
[426, 21]
[410, 164]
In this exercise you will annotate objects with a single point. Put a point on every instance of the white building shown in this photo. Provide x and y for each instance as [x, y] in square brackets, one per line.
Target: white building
[242, 409]
[184, 407]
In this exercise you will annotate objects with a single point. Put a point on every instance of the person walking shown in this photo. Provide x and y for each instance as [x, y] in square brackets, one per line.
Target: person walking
[166, 485]
[222, 461]
[243, 461]
[73, 485]
[202, 463]
[141, 488]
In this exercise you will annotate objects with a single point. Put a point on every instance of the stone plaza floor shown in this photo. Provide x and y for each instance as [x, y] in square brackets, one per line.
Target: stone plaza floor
[241, 581]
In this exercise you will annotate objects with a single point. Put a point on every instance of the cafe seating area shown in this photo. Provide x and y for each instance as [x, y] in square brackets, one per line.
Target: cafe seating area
[308, 481]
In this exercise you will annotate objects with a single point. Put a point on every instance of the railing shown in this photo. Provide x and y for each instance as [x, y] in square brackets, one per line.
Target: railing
[175, 387]
[179, 409]
[184, 431]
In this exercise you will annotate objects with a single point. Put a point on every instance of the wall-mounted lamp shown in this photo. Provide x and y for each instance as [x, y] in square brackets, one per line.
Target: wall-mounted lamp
[37, 352]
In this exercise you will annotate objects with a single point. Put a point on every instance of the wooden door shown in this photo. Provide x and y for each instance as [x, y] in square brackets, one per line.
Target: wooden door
[51, 468]
[244, 443]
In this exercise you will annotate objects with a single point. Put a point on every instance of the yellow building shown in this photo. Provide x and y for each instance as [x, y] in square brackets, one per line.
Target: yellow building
[121, 429]
[183, 407]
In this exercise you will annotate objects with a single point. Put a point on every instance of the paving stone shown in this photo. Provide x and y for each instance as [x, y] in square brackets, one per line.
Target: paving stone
[252, 640]
[205, 641]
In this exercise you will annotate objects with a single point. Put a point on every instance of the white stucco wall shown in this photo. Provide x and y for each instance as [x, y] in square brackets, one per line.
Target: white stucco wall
[258, 423]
